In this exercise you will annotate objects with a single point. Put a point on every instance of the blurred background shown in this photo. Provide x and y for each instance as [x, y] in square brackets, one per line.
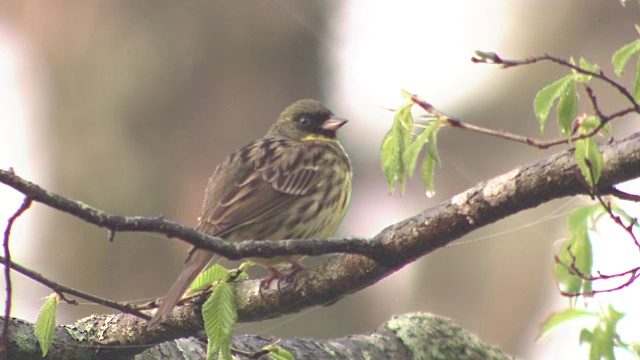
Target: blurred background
[128, 106]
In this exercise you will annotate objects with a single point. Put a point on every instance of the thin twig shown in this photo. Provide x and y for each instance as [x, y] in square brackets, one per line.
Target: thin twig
[621, 194]
[607, 206]
[429, 108]
[573, 269]
[62, 289]
[495, 59]
[232, 251]
[7, 274]
[594, 102]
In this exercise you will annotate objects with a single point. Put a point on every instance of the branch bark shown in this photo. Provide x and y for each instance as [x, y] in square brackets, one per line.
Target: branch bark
[410, 336]
[522, 188]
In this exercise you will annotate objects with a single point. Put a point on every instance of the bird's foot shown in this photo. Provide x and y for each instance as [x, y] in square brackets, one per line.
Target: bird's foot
[275, 274]
[266, 282]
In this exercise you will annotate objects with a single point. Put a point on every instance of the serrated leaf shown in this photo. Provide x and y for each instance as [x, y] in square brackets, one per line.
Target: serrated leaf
[562, 317]
[278, 353]
[568, 107]
[45, 326]
[394, 146]
[215, 273]
[545, 98]
[410, 156]
[220, 316]
[622, 56]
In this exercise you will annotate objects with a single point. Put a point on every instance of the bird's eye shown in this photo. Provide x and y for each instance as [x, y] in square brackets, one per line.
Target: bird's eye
[304, 121]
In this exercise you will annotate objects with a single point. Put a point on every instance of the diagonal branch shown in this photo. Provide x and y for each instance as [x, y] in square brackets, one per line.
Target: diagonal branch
[523, 188]
[62, 290]
[232, 251]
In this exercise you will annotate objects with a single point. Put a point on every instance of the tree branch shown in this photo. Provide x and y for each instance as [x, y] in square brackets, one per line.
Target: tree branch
[410, 336]
[623, 166]
[7, 272]
[523, 188]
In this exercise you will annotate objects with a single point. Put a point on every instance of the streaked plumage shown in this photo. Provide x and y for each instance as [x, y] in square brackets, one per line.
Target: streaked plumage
[294, 183]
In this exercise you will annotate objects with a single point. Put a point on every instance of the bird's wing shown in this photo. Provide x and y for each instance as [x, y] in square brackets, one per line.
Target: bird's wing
[257, 183]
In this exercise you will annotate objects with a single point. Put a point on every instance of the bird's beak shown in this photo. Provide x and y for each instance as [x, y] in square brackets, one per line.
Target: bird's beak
[333, 123]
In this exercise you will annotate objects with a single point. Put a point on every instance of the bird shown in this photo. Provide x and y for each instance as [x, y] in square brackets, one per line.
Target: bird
[293, 183]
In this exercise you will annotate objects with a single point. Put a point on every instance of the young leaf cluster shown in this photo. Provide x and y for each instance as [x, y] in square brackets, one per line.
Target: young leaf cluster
[402, 146]
[602, 338]
[576, 253]
[219, 311]
[220, 314]
[565, 92]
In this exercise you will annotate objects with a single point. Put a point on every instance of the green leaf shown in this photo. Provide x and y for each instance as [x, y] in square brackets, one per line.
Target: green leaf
[587, 154]
[410, 156]
[562, 317]
[547, 96]
[636, 83]
[581, 218]
[278, 353]
[220, 316]
[216, 273]
[566, 281]
[622, 56]
[604, 334]
[427, 171]
[585, 336]
[394, 146]
[45, 326]
[585, 65]
[578, 244]
[589, 160]
[568, 107]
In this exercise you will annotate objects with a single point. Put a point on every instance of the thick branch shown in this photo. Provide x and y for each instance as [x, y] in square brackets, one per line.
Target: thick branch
[410, 336]
[374, 248]
[523, 188]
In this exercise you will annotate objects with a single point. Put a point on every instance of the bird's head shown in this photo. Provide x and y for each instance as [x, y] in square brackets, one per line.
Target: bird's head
[306, 120]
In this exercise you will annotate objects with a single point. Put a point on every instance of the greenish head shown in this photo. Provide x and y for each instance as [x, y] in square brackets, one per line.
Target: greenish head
[306, 120]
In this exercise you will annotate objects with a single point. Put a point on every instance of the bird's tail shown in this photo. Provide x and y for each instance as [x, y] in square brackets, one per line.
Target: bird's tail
[192, 267]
